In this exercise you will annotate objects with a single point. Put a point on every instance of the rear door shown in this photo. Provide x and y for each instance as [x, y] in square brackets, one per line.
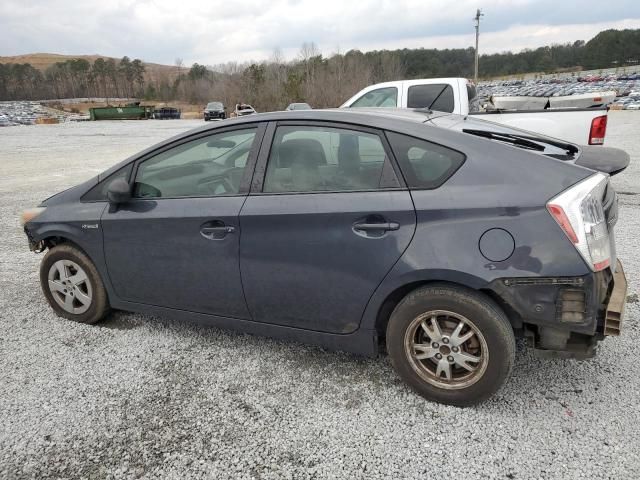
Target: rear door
[327, 218]
[176, 243]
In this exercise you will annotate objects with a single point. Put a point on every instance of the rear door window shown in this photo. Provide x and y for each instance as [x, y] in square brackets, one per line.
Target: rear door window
[381, 97]
[327, 159]
[437, 96]
[425, 165]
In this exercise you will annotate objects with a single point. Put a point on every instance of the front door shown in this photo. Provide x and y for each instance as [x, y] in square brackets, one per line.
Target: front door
[329, 221]
[176, 244]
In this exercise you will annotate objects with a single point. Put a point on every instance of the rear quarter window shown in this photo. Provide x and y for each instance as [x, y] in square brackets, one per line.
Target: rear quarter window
[425, 165]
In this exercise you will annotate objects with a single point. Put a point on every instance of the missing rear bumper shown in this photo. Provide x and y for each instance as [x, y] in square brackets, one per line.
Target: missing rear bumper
[617, 300]
[566, 317]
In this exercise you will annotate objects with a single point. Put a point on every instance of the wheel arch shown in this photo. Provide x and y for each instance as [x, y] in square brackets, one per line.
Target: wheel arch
[51, 237]
[54, 240]
[395, 296]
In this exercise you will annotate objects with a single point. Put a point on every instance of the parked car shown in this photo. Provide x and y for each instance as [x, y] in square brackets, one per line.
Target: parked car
[437, 236]
[166, 113]
[458, 95]
[298, 106]
[243, 109]
[214, 111]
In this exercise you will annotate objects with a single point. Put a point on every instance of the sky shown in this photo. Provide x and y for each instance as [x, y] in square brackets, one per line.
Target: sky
[211, 32]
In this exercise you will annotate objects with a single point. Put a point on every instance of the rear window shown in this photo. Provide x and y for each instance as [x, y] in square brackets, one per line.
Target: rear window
[471, 92]
[437, 96]
[425, 165]
[472, 95]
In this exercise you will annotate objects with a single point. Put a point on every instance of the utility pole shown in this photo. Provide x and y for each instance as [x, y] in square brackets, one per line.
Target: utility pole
[477, 19]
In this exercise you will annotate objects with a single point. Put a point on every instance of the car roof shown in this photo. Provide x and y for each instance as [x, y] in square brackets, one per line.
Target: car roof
[394, 119]
[374, 117]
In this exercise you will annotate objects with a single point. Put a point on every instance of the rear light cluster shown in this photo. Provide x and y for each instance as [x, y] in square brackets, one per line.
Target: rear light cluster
[580, 214]
[598, 130]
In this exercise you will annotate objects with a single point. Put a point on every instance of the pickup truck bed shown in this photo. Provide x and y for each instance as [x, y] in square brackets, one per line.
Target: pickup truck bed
[575, 122]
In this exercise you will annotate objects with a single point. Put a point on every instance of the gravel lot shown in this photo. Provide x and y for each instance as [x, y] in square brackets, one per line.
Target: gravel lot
[142, 397]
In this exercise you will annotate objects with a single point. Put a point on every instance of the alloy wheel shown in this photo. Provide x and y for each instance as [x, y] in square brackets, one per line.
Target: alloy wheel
[70, 287]
[446, 349]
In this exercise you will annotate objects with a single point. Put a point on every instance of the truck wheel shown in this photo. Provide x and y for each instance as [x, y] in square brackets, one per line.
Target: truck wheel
[72, 285]
[450, 344]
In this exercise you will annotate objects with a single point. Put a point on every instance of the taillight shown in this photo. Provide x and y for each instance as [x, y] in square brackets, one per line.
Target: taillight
[580, 214]
[560, 216]
[598, 130]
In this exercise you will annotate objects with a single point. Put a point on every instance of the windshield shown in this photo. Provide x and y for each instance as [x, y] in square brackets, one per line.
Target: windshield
[214, 105]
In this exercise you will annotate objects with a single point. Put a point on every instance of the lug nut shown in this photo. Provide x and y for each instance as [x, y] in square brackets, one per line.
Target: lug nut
[450, 358]
[445, 340]
[455, 349]
[438, 356]
[435, 345]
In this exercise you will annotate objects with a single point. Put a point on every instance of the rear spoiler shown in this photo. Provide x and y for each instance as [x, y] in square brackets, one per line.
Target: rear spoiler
[603, 159]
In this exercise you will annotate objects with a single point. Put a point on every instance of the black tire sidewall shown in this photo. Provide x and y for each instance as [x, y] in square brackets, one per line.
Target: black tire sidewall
[486, 316]
[99, 302]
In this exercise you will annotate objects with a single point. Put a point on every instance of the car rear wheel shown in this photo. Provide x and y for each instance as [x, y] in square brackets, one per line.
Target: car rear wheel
[450, 344]
[72, 285]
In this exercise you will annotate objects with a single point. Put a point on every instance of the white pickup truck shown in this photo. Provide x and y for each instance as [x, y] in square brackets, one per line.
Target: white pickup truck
[458, 95]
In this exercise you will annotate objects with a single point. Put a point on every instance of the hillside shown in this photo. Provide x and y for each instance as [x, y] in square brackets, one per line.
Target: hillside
[42, 61]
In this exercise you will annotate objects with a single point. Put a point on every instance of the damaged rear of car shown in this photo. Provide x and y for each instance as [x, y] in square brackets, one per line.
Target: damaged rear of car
[565, 316]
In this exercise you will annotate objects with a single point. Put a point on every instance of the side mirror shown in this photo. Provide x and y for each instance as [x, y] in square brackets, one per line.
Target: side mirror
[119, 191]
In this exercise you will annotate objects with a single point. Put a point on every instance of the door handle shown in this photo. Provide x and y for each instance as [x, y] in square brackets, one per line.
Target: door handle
[217, 232]
[386, 226]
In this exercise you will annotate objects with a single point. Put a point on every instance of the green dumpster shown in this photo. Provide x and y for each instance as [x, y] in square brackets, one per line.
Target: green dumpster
[128, 112]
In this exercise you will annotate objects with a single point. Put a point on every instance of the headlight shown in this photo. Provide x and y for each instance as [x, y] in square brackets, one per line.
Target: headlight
[30, 213]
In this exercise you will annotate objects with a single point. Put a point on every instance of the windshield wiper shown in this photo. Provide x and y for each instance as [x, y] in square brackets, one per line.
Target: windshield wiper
[515, 140]
[437, 97]
[428, 109]
[567, 147]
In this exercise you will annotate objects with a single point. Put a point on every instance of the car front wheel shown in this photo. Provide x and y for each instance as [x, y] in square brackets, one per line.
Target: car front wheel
[450, 344]
[72, 285]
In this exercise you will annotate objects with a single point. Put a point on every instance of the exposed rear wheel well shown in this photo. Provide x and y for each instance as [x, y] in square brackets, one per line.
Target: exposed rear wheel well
[390, 303]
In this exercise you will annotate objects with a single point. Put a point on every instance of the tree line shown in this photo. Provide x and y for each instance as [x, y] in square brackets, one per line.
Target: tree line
[74, 78]
[311, 77]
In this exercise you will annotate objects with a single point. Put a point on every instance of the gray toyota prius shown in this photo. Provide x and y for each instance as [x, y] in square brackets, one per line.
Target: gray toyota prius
[437, 238]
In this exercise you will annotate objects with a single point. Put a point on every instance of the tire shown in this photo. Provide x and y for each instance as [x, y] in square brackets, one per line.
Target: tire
[463, 361]
[72, 285]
